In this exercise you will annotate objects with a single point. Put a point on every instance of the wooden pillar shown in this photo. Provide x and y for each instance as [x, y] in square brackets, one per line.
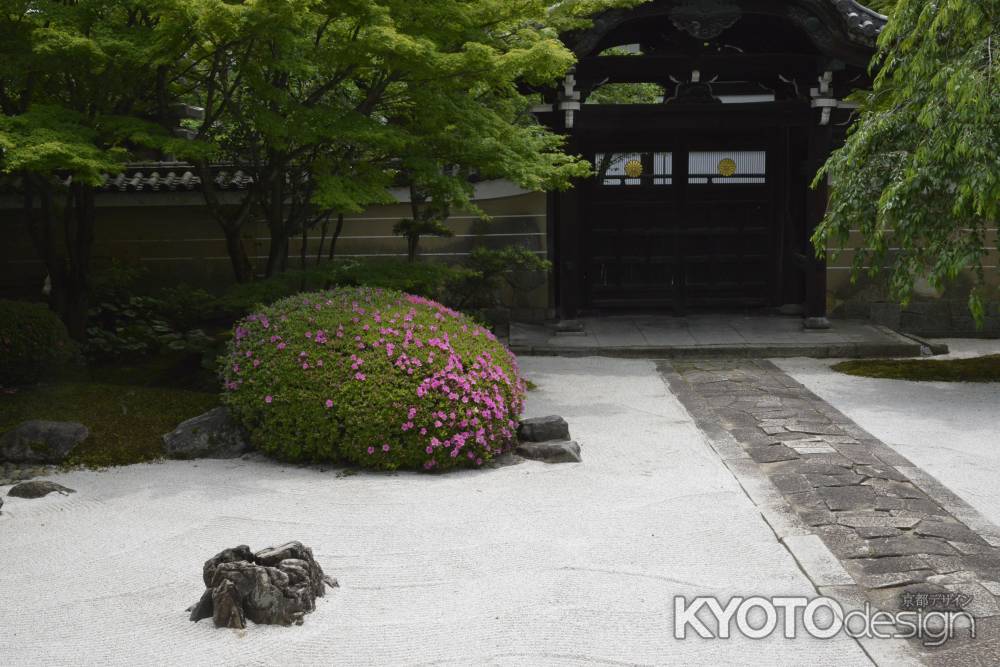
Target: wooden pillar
[567, 252]
[821, 144]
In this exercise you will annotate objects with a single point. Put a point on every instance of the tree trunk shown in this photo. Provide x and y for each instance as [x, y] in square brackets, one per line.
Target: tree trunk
[242, 268]
[336, 234]
[322, 238]
[79, 243]
[67, 259]
[231, 222]
[411, 247]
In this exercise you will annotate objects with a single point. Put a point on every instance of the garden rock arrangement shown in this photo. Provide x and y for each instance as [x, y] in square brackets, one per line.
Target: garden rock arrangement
[213, 435]
[40, 441]
[276, 586]
[38, 488]
[547, 439]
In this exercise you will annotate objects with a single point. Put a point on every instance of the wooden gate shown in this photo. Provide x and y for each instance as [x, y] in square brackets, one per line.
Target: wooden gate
[690, 223]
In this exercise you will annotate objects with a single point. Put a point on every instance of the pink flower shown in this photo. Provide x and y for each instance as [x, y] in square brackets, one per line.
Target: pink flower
[385, 447]
[269, 399]
[329, 404]
[360, 377]
[281, 346]
[371, 450]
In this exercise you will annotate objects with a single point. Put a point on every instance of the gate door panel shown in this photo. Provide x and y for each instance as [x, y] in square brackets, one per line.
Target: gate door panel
[632, 221]
[686, 225]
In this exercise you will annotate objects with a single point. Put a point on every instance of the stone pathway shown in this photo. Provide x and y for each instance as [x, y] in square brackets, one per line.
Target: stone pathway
[904, 539]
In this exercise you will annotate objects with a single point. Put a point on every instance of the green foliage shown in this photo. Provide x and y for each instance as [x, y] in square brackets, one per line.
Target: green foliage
[434, 280]
[33, 342]
[490, 269]
[377, 378]
[918, 176]
[329, 104]
[625, 93]
[126, 324]
[881, 6]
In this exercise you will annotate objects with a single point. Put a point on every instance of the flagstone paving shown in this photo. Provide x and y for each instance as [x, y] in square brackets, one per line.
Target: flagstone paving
[905, 540]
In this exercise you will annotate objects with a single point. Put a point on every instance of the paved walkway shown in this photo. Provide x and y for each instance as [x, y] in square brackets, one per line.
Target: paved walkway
[531, 564]
[714, 335]
[906, 541]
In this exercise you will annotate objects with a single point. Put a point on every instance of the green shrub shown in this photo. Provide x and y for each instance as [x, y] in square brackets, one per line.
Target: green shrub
[375, 377]
[33, 342]
[127, 322]
[434, 280]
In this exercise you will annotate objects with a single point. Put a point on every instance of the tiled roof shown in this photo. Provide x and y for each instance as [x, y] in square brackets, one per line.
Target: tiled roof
[860, 19]
[171, 177]
[157, 177]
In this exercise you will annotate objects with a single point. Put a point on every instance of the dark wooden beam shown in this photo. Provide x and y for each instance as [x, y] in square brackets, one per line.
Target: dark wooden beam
[735, 67]
[643, 119]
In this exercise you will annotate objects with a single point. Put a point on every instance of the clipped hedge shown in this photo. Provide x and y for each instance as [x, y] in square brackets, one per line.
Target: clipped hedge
[379, 378]
[33, 342]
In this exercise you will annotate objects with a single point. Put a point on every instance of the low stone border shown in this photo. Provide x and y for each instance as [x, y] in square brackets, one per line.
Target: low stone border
[862, 521]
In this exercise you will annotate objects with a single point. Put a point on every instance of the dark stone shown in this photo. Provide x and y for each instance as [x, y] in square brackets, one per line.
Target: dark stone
[887, 487]
[276, 586]
[881, 472]
[213, 435]
[772, 454]
[871, 532]
[811, 467]
[233, 555]
[905, 546]
[847, 479]
[560, 451]
[953, 532]
[891, 564]
[789, 483]
[40, 441]
[38, 488]
[543, 429]
[841, 498]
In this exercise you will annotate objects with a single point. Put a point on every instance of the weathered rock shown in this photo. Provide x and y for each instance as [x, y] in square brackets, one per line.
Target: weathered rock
[277, 586]
[40, 441]
[543, 429]
[213, 435]
[557, 451]
[38, 488]
[772, 453]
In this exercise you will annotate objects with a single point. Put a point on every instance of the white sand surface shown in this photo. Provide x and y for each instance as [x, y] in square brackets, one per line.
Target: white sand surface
[530, 564]
[949, 429]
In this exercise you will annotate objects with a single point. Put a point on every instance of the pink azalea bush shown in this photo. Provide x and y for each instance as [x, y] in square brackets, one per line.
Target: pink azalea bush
[379, 378]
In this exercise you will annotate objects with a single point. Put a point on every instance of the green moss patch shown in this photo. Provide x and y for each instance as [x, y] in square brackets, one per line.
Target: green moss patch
[974, 369]
[126, 408]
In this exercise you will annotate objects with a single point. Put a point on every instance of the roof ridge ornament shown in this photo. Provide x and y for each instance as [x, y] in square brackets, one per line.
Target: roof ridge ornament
[706, 19]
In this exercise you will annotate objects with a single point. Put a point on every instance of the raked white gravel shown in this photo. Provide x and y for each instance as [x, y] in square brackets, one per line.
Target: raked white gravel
[531, 564]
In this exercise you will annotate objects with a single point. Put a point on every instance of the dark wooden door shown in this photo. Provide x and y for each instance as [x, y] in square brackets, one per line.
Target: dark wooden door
[687, 224]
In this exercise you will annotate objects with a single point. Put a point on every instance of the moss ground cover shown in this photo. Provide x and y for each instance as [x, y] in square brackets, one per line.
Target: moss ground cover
[126, 408]
[975, 369]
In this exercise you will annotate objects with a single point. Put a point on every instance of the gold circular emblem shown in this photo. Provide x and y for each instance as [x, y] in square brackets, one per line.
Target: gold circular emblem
[633, 169]
[727, 167]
